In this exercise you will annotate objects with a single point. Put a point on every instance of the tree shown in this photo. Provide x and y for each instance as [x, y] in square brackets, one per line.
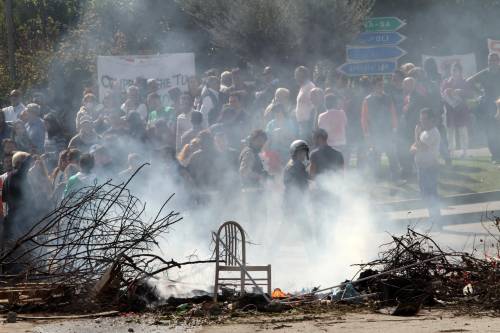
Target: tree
[267, 31]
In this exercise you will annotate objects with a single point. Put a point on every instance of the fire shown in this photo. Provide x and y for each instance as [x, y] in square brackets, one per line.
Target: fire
[277, 293]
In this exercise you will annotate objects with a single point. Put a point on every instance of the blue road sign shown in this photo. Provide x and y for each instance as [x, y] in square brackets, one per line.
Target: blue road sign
[363, 53]
[368, 68]
[379, 38]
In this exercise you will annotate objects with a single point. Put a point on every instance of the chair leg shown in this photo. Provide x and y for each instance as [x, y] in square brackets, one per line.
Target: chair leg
[269, 292]
[242, 282]
[216, 285]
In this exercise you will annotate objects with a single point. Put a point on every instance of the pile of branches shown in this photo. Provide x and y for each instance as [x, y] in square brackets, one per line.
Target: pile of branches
[97, 231]
[416, 271]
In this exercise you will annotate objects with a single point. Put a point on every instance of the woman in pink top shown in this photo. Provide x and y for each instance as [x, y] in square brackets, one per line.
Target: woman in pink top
[334, 122]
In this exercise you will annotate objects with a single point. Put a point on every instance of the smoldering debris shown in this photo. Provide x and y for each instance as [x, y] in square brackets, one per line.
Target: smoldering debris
[96, 247]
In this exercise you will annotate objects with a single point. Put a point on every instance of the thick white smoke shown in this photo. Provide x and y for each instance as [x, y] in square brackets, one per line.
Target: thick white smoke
[343, 230]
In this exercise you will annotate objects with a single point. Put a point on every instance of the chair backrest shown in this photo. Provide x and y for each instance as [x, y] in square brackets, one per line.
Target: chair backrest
[233, 237]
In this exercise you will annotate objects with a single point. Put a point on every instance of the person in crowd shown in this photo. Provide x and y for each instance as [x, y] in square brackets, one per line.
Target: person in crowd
[104, 165]
[160, 135]
[432, 83]
[41, 99]
[489, 80]
[35, 128]
[55, 140]
[116, 124]
[85, 177]
[351, 103]
[57, 176]
[196, 127]
[88, 110]
[8, 150]
[281, 130]
[334, 122]
[21, 138]
[155, 109]
[318, 102]
[324, 158]
[133, 163]
[133, 103]
[396, 91]
[85, 138]
[188, 150]
[203, 165]
[18, 194]
[226, 80]
[379, 123]
[240, 87]
[252, 173]
[227, 123]
[210, 102]
[6, 129]
[296, 182]
[413, 103]
[16, 107]
[152, 86]
[281, 96]
[455, 92]
[426, 150]
[194, 90]
[267, 89]
[41, 185]
[242, 120]
[304, 110]
[184, 119]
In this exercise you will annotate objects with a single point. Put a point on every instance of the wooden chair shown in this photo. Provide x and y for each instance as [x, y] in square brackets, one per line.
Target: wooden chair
[230, 254]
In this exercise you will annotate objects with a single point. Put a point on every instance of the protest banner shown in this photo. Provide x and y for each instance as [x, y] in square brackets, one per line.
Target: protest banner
[170, 70]
[468, 62]
[494, 46]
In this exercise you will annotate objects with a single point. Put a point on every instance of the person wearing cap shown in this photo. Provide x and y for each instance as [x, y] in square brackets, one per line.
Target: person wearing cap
[35, 127]
[13, 111]
[86, 137]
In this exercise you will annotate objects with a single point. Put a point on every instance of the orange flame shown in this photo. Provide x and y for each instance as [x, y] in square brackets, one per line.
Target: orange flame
[277, 293]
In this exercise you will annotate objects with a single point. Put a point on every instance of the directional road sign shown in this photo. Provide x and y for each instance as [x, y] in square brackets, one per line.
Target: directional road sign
[383, 24]
[379, 38]
[362, 53]
[368, 68]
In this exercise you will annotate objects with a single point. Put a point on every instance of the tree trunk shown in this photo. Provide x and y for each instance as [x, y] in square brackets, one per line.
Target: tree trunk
[11, 47]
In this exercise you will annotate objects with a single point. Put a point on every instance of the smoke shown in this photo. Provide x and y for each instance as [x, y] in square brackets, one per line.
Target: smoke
[342, 230]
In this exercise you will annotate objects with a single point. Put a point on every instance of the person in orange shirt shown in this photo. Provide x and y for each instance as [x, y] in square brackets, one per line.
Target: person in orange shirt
[379, 122]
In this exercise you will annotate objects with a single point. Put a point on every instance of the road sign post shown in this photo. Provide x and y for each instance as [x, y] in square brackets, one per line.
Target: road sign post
[367, 53]
[383, 24]
[379, 38]
[368, 68]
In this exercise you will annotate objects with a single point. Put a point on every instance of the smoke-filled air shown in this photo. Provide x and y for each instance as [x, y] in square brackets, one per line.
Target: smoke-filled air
[321, 152]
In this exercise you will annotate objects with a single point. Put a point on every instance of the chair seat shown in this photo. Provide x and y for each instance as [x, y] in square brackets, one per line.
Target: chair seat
[248, 268]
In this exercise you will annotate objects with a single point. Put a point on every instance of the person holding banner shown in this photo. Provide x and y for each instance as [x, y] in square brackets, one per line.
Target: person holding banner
[489, 80]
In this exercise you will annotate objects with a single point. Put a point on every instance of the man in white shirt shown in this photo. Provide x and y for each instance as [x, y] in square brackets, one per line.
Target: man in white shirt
[426, 150]
[13, 111]
[304, 109]
[210, 101]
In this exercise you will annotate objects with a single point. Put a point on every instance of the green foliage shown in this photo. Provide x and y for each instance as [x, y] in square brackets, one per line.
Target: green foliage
[280, 30]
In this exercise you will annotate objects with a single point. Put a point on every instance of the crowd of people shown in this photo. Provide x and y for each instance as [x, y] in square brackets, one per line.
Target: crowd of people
[230, 135]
